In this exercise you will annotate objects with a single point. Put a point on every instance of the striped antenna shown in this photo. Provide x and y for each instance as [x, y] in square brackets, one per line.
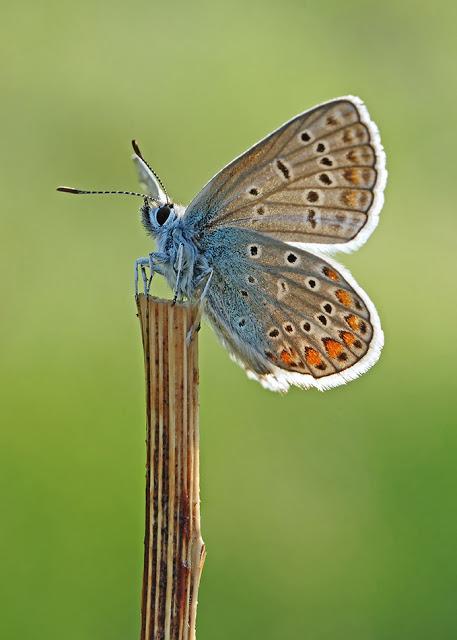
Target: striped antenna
[137, 151]
[86, 192]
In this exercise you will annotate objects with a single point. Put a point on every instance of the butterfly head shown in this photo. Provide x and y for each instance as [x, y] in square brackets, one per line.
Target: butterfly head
[157, 216]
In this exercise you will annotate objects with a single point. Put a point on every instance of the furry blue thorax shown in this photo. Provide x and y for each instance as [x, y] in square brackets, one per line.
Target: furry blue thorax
[171, 231]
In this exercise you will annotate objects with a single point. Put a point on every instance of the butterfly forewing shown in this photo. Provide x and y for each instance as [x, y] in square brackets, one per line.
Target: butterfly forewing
[147, 178]
[289, 316]
[317, 179]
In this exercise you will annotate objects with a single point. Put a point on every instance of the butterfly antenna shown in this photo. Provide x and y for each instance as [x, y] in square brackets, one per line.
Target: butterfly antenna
[137, 150]
[87, 192]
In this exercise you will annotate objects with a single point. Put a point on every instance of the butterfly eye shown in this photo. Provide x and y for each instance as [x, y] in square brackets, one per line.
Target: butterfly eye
[162, 214]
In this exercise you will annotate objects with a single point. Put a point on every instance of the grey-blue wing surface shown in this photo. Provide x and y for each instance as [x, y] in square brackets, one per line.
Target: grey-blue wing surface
[318, 179]
[286, 315]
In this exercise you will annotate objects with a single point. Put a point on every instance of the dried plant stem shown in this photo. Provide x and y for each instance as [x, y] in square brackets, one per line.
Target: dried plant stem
[174, 551]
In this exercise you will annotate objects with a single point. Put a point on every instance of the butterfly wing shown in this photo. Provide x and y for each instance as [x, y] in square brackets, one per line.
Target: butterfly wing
[149, 181]
[317, 179]
[286, 315]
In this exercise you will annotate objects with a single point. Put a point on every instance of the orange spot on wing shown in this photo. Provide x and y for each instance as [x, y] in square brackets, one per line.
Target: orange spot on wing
[353, 322]
[349, 198]
[330, 273]
[313, 358]
[333, 347]
[344, 297]
[286, 357]
[352, 175]
[349, 338]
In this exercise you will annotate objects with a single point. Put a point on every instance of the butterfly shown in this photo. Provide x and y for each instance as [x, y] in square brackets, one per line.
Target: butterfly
[252, 249]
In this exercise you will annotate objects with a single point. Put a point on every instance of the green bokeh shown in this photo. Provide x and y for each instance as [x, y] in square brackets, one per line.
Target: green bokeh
[326, 516]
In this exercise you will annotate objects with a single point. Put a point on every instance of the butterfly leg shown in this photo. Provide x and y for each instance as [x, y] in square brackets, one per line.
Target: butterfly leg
[178, 272]
[140, 264]
[156, 260]
[152, 261]
[196, 325]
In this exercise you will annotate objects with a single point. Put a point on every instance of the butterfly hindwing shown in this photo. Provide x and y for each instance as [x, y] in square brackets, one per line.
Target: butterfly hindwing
[287, 315]
[318, 179]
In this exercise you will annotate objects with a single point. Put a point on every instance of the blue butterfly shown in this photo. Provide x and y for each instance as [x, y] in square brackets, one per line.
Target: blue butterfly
[252, 248]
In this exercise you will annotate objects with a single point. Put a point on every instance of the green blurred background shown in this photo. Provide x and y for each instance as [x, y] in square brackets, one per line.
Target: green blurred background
[326, 516]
